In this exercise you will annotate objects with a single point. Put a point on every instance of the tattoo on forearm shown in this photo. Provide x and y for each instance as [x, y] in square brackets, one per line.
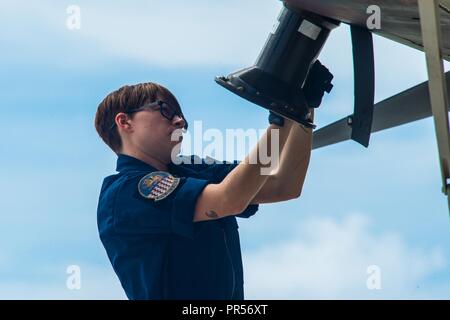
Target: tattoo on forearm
[212, 214]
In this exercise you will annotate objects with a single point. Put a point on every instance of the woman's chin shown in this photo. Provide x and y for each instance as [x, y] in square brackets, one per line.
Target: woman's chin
[176, 147]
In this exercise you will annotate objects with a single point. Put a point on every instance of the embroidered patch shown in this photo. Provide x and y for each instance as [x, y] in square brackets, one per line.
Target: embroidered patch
[157, 185]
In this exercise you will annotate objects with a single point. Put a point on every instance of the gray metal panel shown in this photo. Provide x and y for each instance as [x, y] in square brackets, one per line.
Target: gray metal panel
[429, 13]
[399, 18]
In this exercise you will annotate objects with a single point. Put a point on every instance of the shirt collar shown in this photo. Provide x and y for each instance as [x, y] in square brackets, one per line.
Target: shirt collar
[125, 162]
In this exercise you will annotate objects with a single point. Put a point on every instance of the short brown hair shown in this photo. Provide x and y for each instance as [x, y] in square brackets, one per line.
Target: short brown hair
[124, 100]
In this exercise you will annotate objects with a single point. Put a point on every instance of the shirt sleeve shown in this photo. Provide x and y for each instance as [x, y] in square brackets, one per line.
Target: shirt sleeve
[174, 213]
[183, 207]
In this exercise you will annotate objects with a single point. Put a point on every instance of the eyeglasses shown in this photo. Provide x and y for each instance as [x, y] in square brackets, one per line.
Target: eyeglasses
[166, 110]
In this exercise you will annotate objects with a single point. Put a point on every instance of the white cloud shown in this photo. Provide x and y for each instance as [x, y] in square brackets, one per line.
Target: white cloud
[179, 34]
[328, 259]
[97, 283]
[163, 33]
[183, 33]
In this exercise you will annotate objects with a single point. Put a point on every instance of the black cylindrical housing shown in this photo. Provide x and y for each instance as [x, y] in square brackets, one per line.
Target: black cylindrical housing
[293, 46]
[276, 79]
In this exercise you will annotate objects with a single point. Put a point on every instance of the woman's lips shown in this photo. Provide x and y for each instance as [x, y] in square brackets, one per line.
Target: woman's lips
[176, 136]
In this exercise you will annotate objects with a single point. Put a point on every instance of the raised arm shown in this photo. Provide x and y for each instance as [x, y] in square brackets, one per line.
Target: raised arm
[287, 182]
[236, 191]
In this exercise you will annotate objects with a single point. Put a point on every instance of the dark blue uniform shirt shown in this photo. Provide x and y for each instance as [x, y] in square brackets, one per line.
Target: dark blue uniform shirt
[156, 249]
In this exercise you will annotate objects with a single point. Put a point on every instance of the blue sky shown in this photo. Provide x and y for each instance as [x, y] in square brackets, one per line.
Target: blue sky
[360, 207]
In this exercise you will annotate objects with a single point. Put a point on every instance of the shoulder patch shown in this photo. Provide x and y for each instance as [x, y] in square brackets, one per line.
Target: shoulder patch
[157, 185]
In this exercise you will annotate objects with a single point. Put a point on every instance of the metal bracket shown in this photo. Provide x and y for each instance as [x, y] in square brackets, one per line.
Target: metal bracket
[364, 75]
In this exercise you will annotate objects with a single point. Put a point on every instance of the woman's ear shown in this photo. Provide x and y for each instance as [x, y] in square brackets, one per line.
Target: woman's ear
[122, 121]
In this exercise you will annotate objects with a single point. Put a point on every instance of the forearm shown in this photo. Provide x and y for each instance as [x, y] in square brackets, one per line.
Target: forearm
[294, 161]
[239, 187]
[245, 181]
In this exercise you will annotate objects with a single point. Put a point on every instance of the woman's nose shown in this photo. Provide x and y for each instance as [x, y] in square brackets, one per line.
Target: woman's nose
[179, 121]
